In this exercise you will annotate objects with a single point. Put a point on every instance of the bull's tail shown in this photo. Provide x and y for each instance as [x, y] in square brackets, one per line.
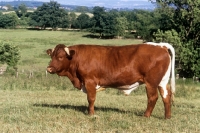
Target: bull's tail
[172, 82]
[173, 88]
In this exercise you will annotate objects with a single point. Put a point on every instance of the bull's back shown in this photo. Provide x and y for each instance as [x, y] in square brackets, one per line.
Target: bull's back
[114, 63]
[119, 56]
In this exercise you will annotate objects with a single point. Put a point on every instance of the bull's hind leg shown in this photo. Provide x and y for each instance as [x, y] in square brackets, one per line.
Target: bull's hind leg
[166, 100]
[152, 95]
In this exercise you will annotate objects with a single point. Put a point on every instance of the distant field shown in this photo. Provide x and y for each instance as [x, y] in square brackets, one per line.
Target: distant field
[33, 44]
[50, 104]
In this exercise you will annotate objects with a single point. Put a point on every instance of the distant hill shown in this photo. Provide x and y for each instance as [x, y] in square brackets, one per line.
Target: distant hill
[17, 3]
[32, 4]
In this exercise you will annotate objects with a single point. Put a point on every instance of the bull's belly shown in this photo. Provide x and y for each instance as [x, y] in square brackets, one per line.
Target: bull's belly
[127, 89]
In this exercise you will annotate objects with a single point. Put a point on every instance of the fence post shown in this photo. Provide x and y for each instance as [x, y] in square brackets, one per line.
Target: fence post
[197, 79]
[184, 79]
[177, 76]
[17, 74]
[30, 74]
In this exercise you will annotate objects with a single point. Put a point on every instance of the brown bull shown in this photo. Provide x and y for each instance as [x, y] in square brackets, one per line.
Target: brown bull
[91, 67]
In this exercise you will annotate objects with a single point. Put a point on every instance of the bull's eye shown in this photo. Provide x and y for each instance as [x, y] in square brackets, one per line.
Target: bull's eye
[60, 58]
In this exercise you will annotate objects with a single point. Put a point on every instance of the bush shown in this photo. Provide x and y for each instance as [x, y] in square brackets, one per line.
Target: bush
[187, 63]
[9, 54]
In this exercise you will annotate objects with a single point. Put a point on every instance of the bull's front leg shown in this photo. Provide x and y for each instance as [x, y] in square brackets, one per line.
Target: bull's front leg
[77, 84]
[91, 96]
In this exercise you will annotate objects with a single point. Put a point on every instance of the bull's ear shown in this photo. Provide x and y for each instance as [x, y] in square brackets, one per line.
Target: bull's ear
[71, 53]
[49, 51]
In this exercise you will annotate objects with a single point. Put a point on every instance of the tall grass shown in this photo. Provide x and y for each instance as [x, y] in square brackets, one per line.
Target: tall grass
[49, 103]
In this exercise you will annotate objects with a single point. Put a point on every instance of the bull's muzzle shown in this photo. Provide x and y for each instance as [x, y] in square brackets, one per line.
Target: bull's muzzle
[50, 70]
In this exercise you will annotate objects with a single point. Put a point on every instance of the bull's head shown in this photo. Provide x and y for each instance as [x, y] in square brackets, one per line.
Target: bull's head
[60, 59]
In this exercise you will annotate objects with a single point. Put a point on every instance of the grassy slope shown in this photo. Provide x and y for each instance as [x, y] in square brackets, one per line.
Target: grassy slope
[51, 104]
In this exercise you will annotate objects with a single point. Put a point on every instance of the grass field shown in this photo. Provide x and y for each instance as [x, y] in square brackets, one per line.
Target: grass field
[50, 104]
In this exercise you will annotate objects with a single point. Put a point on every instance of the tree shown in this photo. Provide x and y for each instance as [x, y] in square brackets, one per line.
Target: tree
[8, 20]
[48, 15]
[9, 54]
[183, 17]
[82, 22]
[97, 20]
[21, 11]
[173, 38]
[145, 23]
[107, 23]
[65, 20]
[121, 26]
[23, 15]
[72, 19]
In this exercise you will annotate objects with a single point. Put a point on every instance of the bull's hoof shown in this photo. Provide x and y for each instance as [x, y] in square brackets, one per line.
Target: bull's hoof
[94, 116]
[147, 114]
[167, 117]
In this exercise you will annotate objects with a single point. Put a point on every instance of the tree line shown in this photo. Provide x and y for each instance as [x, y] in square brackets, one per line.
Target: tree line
[175, 22]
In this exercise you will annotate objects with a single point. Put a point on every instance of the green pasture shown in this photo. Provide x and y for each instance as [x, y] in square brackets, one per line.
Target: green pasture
[33, 44]
[44, 103]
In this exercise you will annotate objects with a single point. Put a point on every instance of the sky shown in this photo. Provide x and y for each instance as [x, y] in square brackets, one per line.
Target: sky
[103, 3]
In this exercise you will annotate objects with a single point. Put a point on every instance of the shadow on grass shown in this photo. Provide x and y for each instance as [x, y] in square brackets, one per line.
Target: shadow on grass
[97, 36]
[84, 109]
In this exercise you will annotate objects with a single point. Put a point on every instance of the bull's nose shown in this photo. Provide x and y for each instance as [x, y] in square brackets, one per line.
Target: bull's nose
[49, 69]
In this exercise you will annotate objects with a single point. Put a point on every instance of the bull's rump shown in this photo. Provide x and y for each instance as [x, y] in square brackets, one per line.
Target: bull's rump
[119, 65]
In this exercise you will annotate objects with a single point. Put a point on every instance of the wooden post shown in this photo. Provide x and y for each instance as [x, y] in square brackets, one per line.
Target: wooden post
[184, 79]
[30, 74]
[197, 79]
[17, 74]
[177, 76]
